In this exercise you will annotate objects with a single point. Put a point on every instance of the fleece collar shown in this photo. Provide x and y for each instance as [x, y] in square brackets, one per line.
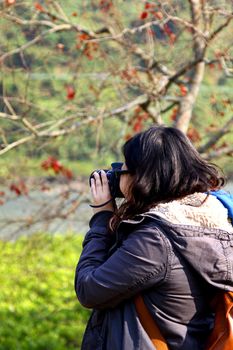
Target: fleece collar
[198, 209]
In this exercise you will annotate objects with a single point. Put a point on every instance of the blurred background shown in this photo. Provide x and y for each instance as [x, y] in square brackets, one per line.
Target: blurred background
[79, 78]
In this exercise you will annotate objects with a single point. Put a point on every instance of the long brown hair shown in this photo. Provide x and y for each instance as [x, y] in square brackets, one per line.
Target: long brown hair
[164, 166]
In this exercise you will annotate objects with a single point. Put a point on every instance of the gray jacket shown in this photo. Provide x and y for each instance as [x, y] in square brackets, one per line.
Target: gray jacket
[177, 268]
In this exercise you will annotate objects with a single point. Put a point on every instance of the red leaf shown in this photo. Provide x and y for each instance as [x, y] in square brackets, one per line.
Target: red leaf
[145, 116]
[174, 114]
[16, 189]
[183, 90]
[39, 7]
[10, 2]
[125, 75]
[219, 65]
[46, 164]
[83, 36]
[105, 5]
[226, 102]
[2, 193]
[158, 14]
[172, 38]
[193, 135]
[67, 173]
[149, 6]
[88, 55]
[138, 109]
[129, 74]
[167, 29]
[70, 92]
[1, 202]
[137, 126]
[54, 164]
[211, 65]
[150, 31]
[23, 187]
[57, 167]
[19, 188]
[144, 15]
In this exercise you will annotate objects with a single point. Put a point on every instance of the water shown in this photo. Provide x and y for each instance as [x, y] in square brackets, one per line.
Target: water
[24, 215]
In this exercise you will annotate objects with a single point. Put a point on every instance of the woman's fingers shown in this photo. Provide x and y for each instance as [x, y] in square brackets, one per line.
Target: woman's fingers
[104, 181]
[100, 186]
[98, 182]
[104, 178]
[101, 181]
[100, 191]
[93, 188]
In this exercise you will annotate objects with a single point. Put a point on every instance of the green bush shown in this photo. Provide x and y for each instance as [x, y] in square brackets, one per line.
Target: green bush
[38, 306]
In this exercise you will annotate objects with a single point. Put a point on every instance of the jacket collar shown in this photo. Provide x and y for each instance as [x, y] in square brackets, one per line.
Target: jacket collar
[198, 210]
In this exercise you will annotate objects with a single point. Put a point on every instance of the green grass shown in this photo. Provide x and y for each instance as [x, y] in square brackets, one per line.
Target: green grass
[38, 306]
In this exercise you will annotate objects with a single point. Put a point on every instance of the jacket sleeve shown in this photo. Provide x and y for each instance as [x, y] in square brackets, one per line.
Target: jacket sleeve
[139, 263]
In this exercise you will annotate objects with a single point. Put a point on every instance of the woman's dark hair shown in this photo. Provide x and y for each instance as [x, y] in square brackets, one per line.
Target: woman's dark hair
[165, 166]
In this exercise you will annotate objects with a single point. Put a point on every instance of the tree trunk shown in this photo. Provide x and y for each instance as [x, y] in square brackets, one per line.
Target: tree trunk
[186, 105]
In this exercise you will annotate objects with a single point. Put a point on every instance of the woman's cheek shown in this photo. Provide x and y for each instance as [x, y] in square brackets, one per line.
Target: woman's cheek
[125, 182]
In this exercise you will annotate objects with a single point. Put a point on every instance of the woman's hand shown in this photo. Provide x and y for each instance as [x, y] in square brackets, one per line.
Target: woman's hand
[100, 192]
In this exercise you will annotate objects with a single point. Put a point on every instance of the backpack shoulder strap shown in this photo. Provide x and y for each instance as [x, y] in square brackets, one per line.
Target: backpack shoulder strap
[149, 324]
[221, 337]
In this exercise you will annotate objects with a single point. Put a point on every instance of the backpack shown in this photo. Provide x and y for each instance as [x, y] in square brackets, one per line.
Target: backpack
[227, 200]
[221, 337]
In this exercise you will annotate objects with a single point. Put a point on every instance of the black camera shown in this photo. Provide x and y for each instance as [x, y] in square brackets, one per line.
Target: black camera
[113, 176]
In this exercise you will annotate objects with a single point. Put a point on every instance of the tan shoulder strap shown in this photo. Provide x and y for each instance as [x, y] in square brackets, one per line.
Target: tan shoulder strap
[149, 324]
[221, 338]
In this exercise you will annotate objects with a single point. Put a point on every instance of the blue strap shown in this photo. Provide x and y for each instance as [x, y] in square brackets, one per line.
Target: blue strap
[226, 199]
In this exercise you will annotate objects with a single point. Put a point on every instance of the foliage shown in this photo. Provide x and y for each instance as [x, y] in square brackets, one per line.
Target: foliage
[38, 306]
[77, 76]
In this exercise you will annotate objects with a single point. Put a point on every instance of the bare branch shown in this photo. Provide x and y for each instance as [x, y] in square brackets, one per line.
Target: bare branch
[24, 22]
[39, 37]
[16, 144]
[217, 136]
[148, 25]
[220, 28]
[9, 116]
[227, 151]
[49, 133]
[29, 126]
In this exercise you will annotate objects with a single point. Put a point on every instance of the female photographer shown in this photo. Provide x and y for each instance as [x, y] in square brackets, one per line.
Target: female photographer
[169, 242]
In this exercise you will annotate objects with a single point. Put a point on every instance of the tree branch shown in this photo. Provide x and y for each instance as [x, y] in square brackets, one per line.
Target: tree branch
[16, 144]
[49, 133]
[227, 150]
[9, 116]
[216, 137]
[220, 28]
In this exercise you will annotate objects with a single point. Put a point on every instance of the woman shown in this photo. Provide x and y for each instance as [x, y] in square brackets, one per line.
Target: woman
[166, 242]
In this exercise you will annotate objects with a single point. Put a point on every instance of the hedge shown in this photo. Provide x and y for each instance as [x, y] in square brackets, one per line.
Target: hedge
[39, 309]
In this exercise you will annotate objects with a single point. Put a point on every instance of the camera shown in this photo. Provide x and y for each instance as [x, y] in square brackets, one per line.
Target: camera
[113, 176]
